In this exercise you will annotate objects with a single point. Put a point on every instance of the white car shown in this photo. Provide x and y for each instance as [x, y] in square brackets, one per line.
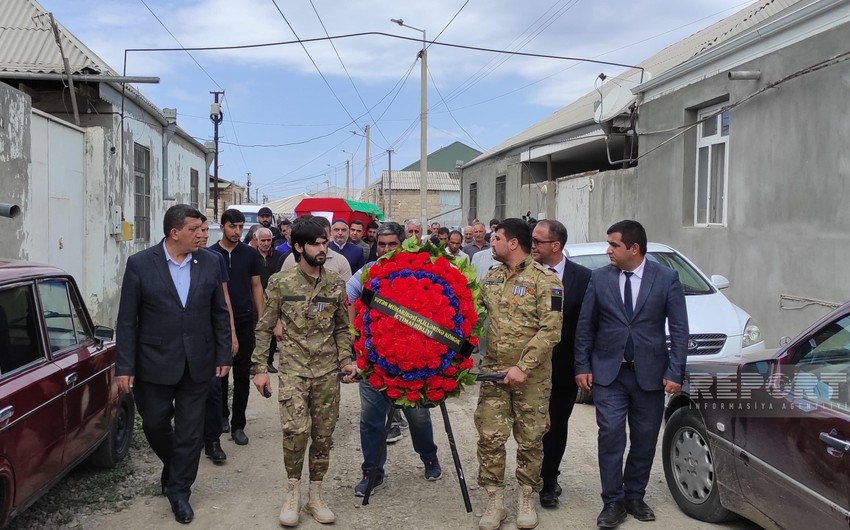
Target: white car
[718, 328]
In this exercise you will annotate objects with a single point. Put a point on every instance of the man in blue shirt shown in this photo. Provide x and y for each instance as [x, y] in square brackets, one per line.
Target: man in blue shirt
[374, 406]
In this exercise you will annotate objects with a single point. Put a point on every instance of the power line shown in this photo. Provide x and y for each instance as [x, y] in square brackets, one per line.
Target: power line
[301, 42]
[178, 42]
[353, 85]
[450, 21]
[382, 34]
[434, 84]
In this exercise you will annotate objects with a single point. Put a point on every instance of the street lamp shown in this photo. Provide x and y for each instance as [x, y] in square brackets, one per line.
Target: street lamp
[349, 167]
[336, 184]
[423, 125]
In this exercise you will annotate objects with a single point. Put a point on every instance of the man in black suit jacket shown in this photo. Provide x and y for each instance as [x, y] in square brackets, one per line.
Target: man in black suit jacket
[547, 245]
[621, 352]
[173, 335]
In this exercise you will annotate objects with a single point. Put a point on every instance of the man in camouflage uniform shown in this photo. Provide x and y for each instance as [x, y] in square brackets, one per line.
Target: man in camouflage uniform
[523, 301]
[316, 344]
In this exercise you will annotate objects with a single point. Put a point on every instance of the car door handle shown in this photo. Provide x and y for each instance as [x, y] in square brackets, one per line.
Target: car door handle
[70, 379]
[835, 446]
[7, 413]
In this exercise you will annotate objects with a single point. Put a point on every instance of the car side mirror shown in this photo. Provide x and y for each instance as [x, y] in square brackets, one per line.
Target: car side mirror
[104, 333]
[721, 282]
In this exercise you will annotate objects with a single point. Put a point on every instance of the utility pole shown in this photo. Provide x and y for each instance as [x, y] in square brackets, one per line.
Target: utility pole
[248, 186]
[389, 207]
[366, 176]
[347, 169]
[423, 135]
[217, 116]
[67, 70]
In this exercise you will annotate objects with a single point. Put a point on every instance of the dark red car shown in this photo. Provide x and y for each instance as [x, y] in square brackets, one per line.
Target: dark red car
[59, 403]
[767, 439]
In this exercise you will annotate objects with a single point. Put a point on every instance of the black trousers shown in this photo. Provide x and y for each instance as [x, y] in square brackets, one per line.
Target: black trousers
[561, 402]
[241, 376]
[212, 411]
[179, 448]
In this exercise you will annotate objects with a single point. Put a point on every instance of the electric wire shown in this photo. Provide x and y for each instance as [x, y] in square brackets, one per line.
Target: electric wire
[434, 84]
[353, 85]
[449, 23]
[316, 66]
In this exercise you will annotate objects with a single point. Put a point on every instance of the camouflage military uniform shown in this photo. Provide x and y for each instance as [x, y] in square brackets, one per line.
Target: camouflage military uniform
[316, 344]
[524, 323]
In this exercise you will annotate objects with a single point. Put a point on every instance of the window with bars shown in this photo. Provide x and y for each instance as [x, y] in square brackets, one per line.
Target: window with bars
[193, 188]
[712, 164]
[142, 192]
[473, 201]
[501, 196]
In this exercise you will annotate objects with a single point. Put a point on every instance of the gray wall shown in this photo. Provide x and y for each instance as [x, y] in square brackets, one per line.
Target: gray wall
[15, 112]
[787, 230]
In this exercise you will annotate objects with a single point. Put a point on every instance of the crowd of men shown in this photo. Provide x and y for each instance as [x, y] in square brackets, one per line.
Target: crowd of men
[190, 315]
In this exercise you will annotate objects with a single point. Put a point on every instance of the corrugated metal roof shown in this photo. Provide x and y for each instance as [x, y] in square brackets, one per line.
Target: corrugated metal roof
[580, 112]
[409, 180]
[27, 43]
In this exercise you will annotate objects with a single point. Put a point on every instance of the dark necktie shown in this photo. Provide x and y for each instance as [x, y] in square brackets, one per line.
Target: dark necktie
[629, 352]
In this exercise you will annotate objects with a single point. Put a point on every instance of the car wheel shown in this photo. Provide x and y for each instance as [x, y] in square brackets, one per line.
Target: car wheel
[584, 396]
[117, 443]
[689, 468]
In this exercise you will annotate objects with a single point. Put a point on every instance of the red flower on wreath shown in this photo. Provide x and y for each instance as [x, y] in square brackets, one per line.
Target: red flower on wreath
[409, 366]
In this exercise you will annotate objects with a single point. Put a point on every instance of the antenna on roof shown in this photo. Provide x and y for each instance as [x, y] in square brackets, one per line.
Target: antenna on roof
[619, 96]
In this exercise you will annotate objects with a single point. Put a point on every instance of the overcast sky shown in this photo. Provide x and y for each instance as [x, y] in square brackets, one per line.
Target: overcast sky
[287, 121]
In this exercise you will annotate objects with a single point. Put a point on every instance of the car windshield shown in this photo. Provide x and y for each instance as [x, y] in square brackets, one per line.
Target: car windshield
[692, 281]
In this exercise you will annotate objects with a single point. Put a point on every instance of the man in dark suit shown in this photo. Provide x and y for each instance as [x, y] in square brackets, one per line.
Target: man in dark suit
[621, 353]
[173, 335]
[547, 244]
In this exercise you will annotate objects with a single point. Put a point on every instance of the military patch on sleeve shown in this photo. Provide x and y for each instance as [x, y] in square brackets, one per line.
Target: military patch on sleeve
[557, 295]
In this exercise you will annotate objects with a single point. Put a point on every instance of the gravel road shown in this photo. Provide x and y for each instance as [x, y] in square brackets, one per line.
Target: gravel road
[247, 491]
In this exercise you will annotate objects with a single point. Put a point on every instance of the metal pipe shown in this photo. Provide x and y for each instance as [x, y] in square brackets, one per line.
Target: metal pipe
[9, 210]
[94, 78]
[741, 75]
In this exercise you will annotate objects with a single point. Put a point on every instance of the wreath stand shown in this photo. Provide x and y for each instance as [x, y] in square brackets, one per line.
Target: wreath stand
[432, 330]
[464, 491]
[455, 456]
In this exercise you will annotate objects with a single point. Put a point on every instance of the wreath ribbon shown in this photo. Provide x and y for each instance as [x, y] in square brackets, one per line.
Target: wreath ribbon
[415, 321]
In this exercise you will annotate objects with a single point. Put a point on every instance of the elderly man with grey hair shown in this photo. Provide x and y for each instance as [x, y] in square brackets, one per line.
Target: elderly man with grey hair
[412, 228]
[271, 259]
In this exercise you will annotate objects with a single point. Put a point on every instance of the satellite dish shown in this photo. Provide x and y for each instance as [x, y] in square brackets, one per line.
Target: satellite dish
[618, 96]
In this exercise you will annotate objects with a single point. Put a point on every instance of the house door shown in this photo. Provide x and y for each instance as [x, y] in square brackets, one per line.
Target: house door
[573, 207]
[66, 209]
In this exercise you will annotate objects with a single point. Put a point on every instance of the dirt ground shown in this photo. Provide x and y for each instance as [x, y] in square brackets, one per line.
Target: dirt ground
[247, 491]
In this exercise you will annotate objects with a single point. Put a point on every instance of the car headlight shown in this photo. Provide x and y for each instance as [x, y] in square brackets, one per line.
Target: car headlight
[752, 334]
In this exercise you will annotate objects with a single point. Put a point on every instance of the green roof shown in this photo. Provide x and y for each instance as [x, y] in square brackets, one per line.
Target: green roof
[366, 207]
[446, 158]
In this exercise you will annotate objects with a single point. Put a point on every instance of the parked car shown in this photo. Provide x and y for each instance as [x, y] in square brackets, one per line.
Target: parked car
[767, 438]
[718, 328]
[59, 403]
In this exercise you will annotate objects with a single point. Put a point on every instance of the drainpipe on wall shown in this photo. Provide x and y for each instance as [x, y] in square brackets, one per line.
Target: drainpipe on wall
[167, 135]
